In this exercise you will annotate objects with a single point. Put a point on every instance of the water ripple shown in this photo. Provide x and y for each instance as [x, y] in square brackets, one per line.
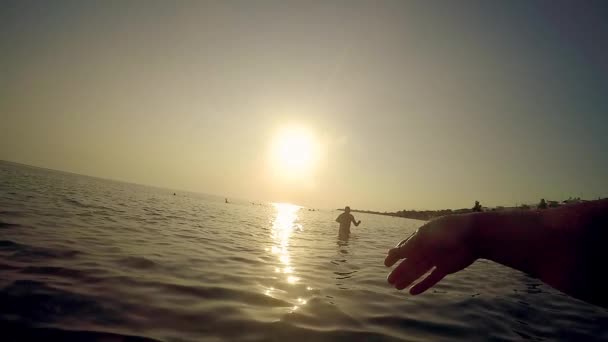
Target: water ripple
[88, 259]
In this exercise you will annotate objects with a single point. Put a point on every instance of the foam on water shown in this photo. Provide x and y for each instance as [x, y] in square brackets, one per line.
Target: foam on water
[83, 258]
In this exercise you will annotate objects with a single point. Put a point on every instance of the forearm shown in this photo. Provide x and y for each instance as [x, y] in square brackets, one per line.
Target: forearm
[517, 239]
[559, 246]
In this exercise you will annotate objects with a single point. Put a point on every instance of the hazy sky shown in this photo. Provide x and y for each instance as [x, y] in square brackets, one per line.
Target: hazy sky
[413, 104]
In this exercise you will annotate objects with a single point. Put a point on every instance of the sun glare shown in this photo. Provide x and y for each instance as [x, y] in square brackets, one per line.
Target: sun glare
[294, 152]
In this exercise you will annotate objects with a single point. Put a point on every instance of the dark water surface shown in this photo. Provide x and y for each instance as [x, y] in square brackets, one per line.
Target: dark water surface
[83, 258]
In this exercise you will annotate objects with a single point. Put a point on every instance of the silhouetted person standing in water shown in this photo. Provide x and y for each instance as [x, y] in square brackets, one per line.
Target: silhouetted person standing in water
[477, 207]
[345, 219]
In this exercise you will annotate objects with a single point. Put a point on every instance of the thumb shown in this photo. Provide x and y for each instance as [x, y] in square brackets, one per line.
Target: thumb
[394, 254]
[405, 249]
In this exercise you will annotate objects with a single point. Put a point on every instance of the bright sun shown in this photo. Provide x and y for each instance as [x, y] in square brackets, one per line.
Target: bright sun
[294, 152]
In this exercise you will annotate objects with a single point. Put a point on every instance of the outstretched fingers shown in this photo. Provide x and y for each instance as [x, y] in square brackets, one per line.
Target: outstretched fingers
[394, 255]
[411, 271]
[428, 282]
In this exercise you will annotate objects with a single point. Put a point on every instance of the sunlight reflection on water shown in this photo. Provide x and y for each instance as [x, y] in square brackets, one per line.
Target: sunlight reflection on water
[283, 226]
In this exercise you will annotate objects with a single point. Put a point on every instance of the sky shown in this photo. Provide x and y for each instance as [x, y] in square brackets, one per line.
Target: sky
[402, 104]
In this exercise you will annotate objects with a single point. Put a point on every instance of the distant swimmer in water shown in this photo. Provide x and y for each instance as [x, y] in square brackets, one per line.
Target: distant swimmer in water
[345, 220]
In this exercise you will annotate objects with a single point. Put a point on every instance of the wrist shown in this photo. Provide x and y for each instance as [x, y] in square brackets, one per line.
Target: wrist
[475, 235]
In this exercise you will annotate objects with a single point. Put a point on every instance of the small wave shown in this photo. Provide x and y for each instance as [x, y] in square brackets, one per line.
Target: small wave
[29, 300]
[457, 331]
[153, 212]
[244, 260]
[138, 262]
[75, 202]
[27, 252]
[4, 267]
[224, 293]
[8, 225]
[81, 204]
[6, 244]
[60, 272]
[344, 275]
[12, 213]
[22, 332]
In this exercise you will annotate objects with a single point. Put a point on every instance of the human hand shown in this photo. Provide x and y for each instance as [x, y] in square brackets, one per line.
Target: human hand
[445, 244]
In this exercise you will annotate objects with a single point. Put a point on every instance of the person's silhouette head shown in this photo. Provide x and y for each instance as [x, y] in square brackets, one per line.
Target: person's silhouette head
[347, 209]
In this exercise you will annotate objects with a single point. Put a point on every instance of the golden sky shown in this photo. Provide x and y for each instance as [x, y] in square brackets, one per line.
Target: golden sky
[379, 105]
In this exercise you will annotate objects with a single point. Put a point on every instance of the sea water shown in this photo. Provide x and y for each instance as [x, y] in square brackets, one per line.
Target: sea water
[84, 258]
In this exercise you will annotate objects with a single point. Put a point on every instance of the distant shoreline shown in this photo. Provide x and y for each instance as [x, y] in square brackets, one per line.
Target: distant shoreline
[425, 215]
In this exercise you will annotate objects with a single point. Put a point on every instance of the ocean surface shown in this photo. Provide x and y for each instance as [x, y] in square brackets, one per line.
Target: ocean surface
[84, 258]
